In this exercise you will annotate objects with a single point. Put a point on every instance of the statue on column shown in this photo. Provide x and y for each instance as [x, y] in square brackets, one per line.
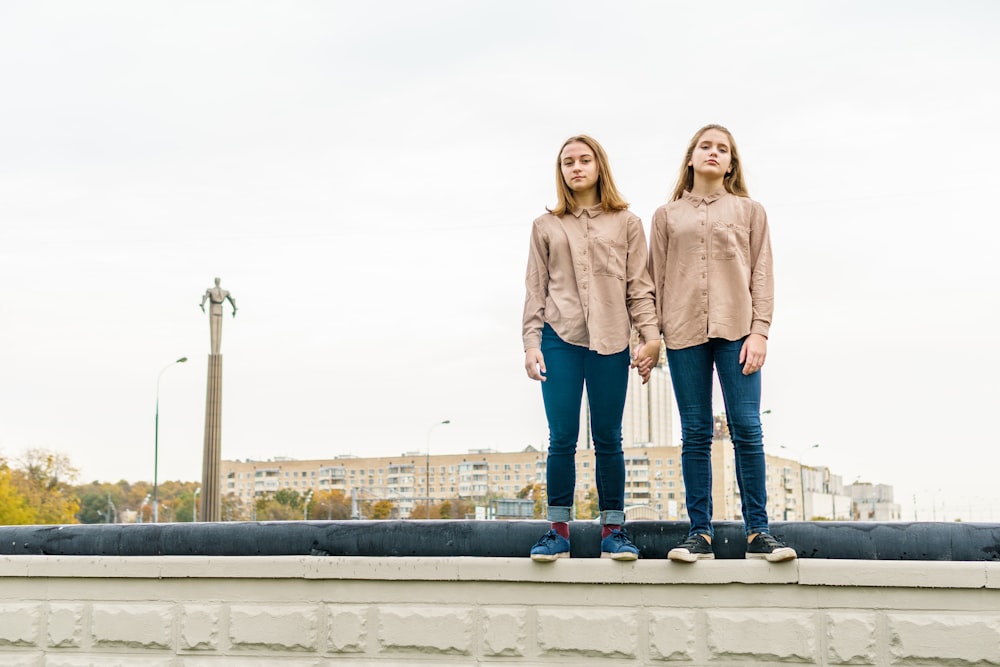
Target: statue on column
[216, 296]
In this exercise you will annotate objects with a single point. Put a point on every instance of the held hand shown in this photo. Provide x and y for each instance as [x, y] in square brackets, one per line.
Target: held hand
[202, 307]
[234, 312]
[534, 364]
[753, 353]
[646, 357]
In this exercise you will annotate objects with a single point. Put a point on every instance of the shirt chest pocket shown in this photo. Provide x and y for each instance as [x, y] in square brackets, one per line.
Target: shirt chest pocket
[723, 240]
[608, 258]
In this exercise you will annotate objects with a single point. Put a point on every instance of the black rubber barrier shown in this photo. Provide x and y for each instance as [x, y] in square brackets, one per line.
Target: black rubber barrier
[854, 540]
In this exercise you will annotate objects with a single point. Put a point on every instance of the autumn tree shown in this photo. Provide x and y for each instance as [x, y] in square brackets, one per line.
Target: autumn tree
[177, 500]
[591, 507]
[233, 509]
[14, 510]
[535, 492]
[382, 509]
[331, 505]
[43, 479]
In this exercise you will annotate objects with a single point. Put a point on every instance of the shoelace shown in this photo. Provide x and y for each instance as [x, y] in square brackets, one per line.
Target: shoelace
[769, 541]
[619, 535]
[548, 538]
[692, 542]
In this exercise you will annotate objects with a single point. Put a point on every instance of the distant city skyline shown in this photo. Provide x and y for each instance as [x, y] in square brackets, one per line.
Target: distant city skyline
[653, 481]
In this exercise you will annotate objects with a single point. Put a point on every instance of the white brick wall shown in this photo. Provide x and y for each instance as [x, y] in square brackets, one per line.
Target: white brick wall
[389, 612]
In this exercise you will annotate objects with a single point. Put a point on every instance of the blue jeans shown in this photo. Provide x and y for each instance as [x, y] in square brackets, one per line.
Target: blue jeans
[568, 369]
[691, 374]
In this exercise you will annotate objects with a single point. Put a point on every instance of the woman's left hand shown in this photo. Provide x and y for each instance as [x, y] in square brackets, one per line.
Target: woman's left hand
[753, 353]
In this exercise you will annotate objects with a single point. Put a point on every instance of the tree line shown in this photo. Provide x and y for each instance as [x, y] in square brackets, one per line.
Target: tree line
[39, 488]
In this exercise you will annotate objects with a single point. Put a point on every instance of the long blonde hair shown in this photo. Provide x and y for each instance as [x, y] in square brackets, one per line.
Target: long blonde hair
[607, 193]
[733, 181]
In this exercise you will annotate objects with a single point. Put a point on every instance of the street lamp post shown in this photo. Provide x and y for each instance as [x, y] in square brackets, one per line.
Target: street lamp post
[305, 505]
[802, 477]
[427, 464]
[194, 506]
[156, 439]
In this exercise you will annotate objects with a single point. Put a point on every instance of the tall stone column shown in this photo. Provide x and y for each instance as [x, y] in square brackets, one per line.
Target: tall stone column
[211, 496]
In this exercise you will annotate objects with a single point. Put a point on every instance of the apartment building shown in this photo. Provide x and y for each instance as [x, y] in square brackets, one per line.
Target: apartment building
[652, 481]
[654, 487]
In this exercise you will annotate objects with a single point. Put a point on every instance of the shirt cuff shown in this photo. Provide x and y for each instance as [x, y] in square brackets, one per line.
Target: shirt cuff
[650, 334]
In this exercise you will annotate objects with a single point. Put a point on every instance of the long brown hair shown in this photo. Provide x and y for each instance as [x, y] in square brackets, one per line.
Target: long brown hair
[607, 193]
[733, 181]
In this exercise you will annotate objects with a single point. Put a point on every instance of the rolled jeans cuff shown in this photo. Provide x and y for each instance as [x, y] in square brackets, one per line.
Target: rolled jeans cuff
[559, 514]
[612, 517]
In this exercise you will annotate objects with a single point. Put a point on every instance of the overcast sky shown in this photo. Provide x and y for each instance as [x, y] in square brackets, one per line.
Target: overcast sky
[363, 176]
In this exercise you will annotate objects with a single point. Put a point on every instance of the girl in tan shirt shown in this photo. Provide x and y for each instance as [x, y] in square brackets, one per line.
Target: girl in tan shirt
[710, 260]
[585, 287]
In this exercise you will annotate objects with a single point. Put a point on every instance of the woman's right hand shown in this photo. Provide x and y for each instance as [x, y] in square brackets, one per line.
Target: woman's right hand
[646, 357]
[534, 364]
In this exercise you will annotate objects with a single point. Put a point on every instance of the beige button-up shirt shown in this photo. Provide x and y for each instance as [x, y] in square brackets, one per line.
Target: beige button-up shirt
[710, 260]
[587, 278]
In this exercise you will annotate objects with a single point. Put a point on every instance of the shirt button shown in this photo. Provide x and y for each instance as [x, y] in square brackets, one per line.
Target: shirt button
[701, 240]
[703, 257]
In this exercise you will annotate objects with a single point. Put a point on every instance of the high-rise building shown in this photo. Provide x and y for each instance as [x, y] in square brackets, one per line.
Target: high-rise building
[648, 415]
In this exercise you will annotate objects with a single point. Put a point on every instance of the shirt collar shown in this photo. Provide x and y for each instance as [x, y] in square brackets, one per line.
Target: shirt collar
[592, 211]
[696, 200]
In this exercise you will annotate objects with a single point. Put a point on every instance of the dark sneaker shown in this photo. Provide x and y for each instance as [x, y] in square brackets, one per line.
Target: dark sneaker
[549, 547]
[695, 547]
[765, 546]
[617, 546]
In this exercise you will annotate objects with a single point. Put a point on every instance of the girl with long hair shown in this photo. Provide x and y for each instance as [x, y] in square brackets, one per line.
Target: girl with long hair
[710, 261]
[586, 286]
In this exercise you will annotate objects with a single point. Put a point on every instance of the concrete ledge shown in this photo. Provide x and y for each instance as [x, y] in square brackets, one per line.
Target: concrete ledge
[310, 611]
[844, 573]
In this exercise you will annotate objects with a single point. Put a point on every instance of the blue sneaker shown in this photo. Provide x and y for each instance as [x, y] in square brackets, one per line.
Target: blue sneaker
[617, 546]
[549, 547]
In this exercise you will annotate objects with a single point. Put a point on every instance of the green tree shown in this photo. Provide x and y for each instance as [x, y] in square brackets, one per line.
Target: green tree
[98, 502]
[289, 497]
[283, 505]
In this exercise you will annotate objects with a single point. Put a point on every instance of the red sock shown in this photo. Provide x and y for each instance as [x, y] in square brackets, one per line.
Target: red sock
[562, 528]
[607, 529]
